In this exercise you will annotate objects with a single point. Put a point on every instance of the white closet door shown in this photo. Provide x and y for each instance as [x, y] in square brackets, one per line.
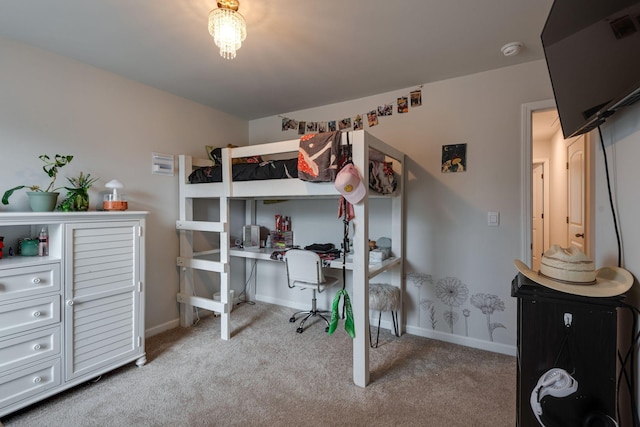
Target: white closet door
[102, 295]
[576, 190]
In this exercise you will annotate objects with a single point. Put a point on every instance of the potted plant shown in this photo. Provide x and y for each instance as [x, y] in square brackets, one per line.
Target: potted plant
[77, 198]
[42, 200]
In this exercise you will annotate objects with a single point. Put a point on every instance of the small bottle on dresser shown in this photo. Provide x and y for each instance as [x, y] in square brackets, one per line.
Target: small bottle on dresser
[43, 242]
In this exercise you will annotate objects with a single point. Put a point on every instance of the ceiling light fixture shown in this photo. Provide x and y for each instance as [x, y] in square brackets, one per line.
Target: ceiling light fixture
[227, 27]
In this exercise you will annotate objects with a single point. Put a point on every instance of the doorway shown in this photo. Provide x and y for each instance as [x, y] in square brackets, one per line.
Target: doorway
[556, 184]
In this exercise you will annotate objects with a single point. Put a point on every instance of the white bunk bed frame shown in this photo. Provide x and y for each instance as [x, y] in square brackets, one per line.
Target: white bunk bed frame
[362, 272]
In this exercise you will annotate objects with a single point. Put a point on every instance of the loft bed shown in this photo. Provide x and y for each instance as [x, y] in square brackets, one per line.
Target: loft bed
[362, 145]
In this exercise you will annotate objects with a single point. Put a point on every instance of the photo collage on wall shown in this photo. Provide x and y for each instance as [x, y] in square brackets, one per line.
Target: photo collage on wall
[356, 122]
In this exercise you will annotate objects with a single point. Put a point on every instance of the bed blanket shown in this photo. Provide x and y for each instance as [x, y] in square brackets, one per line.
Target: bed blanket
[273, 169]
[318, 157]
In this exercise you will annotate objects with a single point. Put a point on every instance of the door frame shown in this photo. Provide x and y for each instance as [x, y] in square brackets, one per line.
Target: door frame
[526, 163]
[545, 200]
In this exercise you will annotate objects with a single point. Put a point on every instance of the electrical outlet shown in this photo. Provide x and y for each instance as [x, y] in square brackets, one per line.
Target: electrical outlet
[568, 318]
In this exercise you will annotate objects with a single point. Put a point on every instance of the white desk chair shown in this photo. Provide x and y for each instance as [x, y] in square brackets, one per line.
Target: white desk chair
[304, 270]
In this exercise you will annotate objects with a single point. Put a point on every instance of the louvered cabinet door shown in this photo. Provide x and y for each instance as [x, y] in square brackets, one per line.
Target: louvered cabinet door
[104, 323]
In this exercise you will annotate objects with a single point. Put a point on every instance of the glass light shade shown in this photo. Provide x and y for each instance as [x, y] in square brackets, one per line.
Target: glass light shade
[228, 29]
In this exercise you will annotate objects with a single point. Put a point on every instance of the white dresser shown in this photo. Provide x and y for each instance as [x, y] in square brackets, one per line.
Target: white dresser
[75, 314]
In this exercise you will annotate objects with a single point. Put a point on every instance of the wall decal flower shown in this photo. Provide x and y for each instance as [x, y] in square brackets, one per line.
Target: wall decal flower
[466, 313]
[419, 279]
[451, 317]
[452, 292]
[488, 304]
[430, 307]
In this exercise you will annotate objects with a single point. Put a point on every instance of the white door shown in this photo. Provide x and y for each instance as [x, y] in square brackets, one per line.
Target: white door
[537, 215]
[576, 183]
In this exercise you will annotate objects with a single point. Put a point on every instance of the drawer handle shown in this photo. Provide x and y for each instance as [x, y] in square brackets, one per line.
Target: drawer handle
[36, 314]
[37, 380]
[37, 347]
[36, 280]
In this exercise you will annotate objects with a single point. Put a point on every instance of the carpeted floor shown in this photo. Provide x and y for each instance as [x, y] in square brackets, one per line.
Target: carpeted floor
[267, 374]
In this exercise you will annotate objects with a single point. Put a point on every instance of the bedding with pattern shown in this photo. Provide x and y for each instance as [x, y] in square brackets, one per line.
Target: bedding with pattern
[272, 169]
[319, 155]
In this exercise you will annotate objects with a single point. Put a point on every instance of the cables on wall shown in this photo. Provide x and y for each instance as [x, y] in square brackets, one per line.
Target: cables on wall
[629, 358]
[613, 209]
[242, 298]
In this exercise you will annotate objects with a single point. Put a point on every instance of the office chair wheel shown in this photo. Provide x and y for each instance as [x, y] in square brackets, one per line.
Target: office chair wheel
[292, 319]
[326, 329]
[299, 330]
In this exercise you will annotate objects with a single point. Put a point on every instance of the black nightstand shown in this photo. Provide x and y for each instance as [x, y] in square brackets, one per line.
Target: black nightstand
[586, 348]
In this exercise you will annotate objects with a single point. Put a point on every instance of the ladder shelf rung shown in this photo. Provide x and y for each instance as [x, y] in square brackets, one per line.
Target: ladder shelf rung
[201, 264]
[216, 227]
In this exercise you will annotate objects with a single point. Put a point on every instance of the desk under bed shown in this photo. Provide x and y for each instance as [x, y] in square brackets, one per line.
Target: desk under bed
[228, 189]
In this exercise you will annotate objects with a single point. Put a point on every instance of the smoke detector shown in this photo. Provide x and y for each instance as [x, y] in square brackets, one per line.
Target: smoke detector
[511, 49]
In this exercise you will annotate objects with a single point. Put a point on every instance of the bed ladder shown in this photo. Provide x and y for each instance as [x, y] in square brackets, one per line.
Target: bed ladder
[189, 260]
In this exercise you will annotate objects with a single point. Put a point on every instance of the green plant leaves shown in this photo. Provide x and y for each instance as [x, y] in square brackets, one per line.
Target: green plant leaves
[50, 168]
[8, 193]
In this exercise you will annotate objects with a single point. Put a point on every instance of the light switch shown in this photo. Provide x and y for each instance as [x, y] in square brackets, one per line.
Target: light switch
[493, 219]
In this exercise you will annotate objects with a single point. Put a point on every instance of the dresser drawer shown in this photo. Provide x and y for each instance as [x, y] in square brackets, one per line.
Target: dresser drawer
[28, 382]
[29, 281]
[22, 316]
[29, 348]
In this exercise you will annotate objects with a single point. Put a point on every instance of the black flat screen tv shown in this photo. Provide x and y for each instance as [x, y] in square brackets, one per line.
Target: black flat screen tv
[592, 49]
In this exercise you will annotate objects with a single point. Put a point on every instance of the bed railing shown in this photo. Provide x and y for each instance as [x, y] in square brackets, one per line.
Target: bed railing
[361, 143]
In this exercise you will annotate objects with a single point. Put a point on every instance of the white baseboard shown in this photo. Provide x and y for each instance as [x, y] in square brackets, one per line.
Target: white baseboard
[161, 328]
[386, 323]
[284, 303]
[176, 322]
[494, 347]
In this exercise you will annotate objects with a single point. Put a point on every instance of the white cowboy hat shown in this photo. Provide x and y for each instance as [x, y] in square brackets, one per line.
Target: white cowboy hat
[559, 265]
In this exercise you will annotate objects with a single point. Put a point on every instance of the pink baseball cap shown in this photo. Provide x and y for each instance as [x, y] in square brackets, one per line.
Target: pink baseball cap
[349, 184]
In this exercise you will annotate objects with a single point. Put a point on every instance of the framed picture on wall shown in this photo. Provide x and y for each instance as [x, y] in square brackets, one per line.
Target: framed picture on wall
[454, 158]
[416, 98]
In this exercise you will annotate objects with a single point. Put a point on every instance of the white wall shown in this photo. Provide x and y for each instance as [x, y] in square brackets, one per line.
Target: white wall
[621, 136]
[50, 104]
[448, 240]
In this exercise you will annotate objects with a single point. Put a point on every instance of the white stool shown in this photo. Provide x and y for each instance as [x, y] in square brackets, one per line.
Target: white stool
[383, 297]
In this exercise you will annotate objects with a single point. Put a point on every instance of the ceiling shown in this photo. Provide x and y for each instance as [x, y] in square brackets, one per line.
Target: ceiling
[297, 55]
[544, 124]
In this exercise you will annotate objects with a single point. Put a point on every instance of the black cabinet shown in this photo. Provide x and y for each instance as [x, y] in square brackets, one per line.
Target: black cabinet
[575, 333]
